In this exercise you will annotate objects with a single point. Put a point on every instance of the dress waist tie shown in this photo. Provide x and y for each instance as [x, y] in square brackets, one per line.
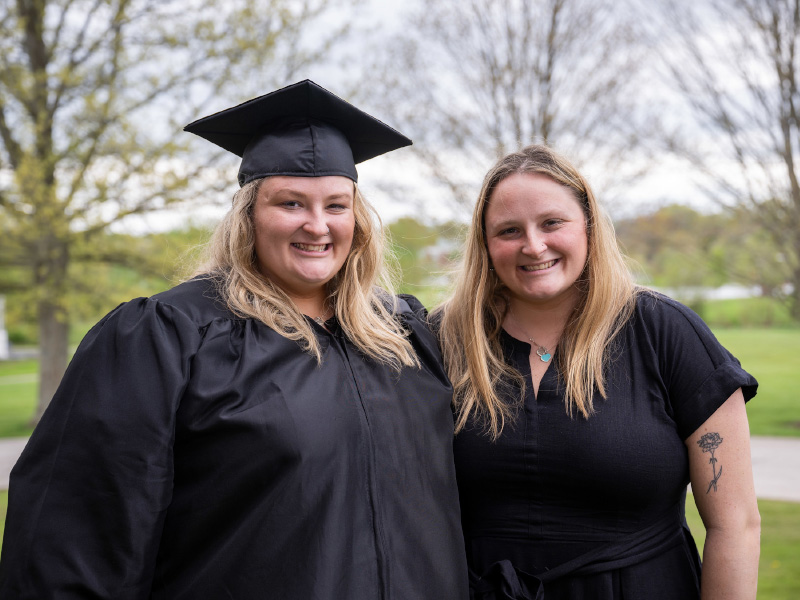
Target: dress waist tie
[503, 581]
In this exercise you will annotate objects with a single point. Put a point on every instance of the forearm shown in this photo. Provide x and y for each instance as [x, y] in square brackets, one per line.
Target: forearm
[730, 563]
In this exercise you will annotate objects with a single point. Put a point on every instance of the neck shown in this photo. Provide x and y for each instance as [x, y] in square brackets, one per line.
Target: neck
[312, 306]
[545, 318]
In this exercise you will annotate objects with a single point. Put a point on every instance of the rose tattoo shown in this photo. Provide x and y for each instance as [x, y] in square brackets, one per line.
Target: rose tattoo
[710, 442]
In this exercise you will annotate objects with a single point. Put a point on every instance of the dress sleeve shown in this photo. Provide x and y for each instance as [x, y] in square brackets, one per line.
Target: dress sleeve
[88, 496]
[699, 373]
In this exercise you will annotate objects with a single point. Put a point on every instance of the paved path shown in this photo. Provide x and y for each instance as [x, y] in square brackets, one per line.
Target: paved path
[10, 449]
[776, 465]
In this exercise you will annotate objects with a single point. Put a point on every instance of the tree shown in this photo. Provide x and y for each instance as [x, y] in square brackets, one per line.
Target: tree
[476, 79]
[92, 95]
[426, 254]
[673, 246]
[677, 246]
[736, 65]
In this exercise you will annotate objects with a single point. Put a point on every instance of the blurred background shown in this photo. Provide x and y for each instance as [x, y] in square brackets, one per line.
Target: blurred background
[685, 116]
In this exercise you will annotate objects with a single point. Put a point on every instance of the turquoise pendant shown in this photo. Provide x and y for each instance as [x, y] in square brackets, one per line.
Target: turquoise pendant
[543, 354]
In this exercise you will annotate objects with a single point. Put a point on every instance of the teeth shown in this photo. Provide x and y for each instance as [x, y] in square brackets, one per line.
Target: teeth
[310, 247]
[539, 267]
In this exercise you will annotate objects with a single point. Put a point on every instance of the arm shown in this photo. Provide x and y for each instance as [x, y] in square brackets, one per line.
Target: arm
[722, 484]
[88, 495]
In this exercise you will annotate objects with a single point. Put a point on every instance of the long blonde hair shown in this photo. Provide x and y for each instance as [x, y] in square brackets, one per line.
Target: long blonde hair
[471, 319]
[359, 293]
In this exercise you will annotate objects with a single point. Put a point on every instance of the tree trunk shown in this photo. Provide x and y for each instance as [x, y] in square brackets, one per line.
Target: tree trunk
[794, 297]
[53, 332]
[51, 278]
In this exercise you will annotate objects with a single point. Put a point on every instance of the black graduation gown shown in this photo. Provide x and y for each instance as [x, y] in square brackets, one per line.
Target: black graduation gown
[189, 454]
[594, 508]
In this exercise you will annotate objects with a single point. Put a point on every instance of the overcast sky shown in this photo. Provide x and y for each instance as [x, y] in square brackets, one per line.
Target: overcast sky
[668, 180]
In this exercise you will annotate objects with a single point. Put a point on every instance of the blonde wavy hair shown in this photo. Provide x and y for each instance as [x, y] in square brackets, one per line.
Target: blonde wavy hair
[471, 319]
[360, 293]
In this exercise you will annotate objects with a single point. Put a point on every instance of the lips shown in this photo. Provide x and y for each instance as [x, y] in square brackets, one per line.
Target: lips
[312, 247]
[540, 266]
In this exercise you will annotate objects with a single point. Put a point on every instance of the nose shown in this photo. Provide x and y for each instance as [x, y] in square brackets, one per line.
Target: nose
[316, 224]
[534, 244]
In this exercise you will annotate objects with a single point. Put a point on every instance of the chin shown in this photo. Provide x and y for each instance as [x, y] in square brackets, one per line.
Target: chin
[315, 278]
[543, 297]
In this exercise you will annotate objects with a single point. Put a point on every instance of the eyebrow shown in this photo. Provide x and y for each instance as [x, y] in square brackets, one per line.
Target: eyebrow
[508, 221]
[501, 224]
[296, 194]
[338, 196]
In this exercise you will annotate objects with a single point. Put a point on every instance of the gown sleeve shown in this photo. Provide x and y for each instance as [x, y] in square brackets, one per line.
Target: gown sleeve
[698, 372]
[88, 496]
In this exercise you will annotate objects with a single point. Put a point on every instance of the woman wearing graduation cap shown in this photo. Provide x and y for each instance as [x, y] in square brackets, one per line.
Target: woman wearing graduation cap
[278, 427]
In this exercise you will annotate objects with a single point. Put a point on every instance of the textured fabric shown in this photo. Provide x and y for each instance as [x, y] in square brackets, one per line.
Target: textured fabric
[192, 455]
[555, 489]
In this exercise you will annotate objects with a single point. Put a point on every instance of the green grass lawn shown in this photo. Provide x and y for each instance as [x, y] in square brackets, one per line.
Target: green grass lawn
[771, 355]
[18, 367]
[779, 565]
[745, 312]
[17, 396]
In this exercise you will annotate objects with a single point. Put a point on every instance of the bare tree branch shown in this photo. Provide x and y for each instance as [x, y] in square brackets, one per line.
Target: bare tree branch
[738, 75]
[485, 78]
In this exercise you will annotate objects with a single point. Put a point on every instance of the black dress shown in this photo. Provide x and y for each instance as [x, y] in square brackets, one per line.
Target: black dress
[192, 455]
[594, 508]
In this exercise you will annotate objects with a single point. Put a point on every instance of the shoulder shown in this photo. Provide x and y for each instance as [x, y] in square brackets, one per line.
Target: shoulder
[410, 308]
[683, 343]
[654, 301]
[187, 308]
[414, 316]
[171, 323]
[658, 312]
[199, 299]
[698, 373]
[408, 304]
[416, 321]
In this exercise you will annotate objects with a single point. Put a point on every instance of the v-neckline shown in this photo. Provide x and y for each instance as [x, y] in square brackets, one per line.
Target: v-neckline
[521, 347]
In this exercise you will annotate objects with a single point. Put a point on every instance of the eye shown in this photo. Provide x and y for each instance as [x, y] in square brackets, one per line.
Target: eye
[508, 231]
[550, 223]
[337, 207]
[289, 203]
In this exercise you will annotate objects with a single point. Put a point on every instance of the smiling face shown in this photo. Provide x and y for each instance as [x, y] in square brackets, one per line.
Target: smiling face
[303, 231]
[536, 239]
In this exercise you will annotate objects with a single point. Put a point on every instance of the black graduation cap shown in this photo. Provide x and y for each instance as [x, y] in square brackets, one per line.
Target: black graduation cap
[301, 130]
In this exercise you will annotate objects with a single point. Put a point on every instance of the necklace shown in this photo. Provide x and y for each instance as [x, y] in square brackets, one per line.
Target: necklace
[542, 352]
[320, 320]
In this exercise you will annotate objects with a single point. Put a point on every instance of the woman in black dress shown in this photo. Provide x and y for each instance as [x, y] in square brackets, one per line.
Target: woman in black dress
[585, 406]
[278, 427]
